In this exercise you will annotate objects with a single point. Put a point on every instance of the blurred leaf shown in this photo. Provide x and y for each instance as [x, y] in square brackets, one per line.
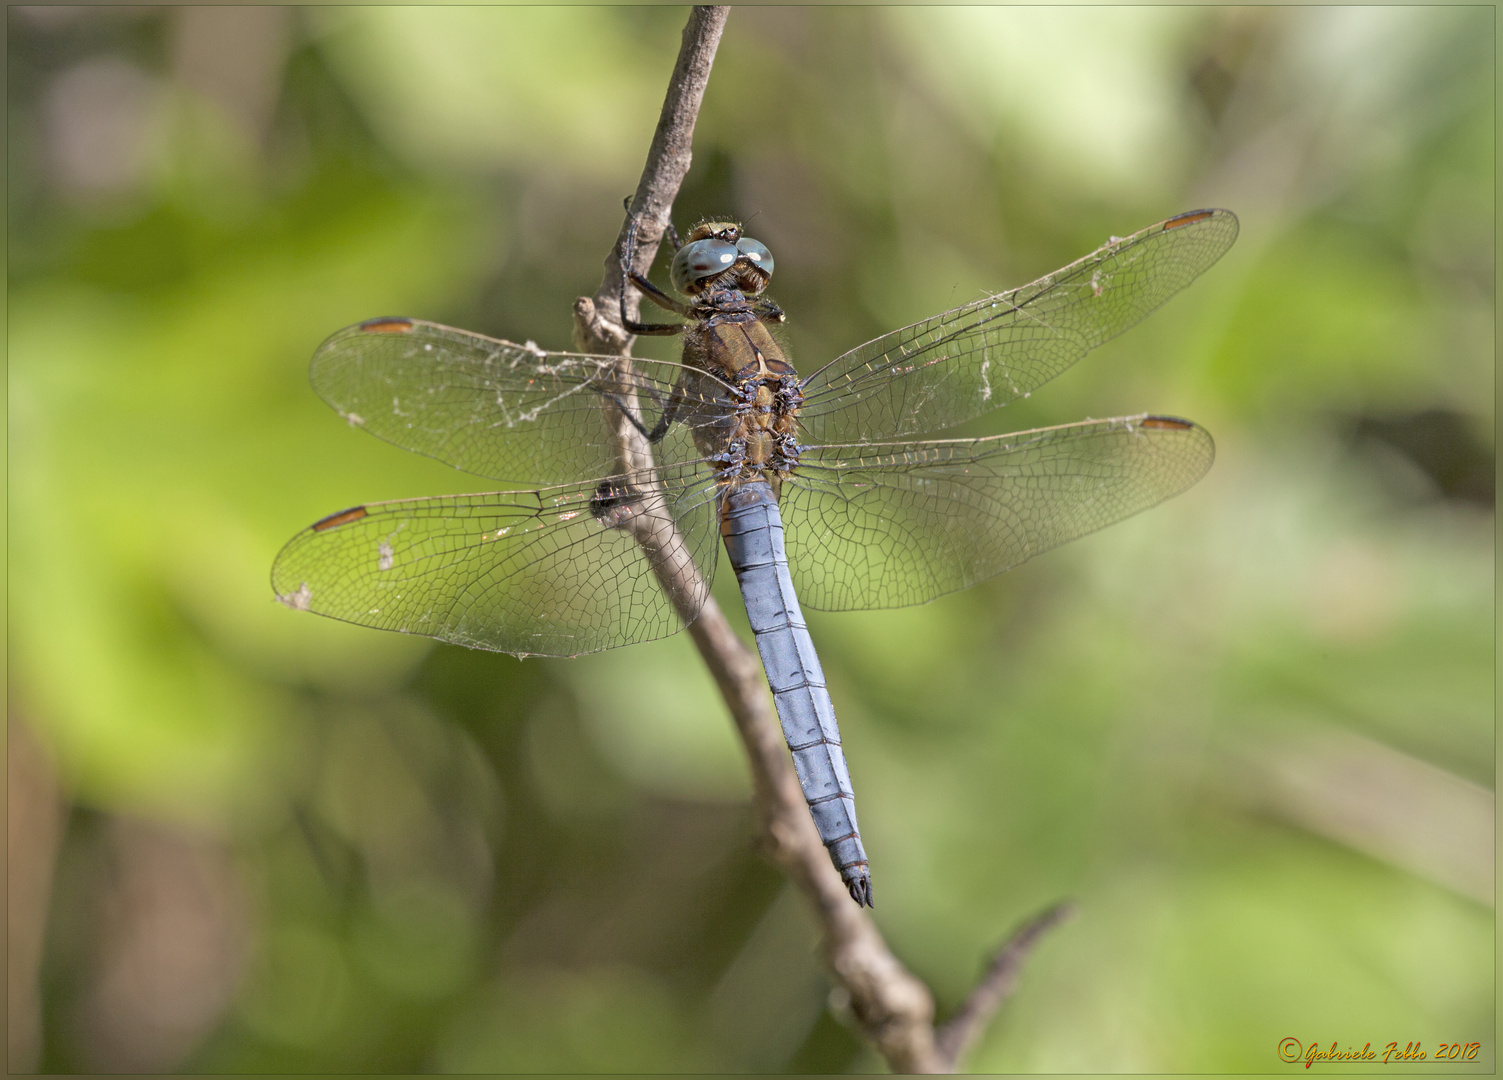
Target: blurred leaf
[150, 458]
[419, 940]
[299, 991]
[1330, 320]
[611, 1020]
[1097, 95]
[475, 87]
[656, 716]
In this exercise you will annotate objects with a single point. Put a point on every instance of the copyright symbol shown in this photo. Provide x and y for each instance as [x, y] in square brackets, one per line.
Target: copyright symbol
[1290, 1049]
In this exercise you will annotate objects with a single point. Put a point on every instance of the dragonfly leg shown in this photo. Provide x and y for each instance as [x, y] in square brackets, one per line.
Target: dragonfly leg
[668, 230]
[648, 289]
[624, 411]
[665, 420]
[766, 309]
[658, 296]
[669, 414]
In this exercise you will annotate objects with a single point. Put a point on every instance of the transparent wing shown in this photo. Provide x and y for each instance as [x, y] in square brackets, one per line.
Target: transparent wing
[952, 367]
[888, 525]
[505, 411]
[549, 573]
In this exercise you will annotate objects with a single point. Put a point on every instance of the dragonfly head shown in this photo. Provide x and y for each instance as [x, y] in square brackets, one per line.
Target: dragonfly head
[717, 253]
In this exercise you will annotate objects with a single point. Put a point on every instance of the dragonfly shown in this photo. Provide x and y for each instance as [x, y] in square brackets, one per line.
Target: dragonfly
[635, 471]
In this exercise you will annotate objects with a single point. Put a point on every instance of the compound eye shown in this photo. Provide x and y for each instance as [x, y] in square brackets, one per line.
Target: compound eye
[699, 260]
[756, 253]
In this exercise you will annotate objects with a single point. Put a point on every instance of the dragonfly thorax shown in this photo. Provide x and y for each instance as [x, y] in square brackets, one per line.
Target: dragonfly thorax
[763, 443]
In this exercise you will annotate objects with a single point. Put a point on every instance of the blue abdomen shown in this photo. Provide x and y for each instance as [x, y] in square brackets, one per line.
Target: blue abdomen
[753, 531]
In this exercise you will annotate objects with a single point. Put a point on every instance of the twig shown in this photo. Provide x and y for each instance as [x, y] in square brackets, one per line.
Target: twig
[595, 320]
[893, 1008]
[956, 1036]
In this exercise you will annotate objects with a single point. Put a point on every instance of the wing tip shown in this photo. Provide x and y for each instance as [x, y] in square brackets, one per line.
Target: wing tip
[1225, 220]
[1155, 422]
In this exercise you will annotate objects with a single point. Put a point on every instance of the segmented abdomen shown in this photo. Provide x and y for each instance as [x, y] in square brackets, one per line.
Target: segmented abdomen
[753, 531]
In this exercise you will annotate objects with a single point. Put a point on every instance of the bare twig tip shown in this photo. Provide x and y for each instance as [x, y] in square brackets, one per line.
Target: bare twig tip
[956, 1036]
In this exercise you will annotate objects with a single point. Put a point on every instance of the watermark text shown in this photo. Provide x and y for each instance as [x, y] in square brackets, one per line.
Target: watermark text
[1292, 1050]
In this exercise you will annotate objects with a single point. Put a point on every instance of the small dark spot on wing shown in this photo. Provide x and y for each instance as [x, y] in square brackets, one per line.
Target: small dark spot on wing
[344, 517]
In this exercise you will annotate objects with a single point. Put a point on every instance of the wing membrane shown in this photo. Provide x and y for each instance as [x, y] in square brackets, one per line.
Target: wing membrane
[952, 367]
[505, 411]
[889, 525]
[527, 572]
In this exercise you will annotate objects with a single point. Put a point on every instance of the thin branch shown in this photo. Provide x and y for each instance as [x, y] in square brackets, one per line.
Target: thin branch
[596, 327]
[956, 1036]
[893, 1008]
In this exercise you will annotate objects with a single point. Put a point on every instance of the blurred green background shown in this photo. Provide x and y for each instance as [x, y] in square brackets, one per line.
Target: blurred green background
[1250, 731]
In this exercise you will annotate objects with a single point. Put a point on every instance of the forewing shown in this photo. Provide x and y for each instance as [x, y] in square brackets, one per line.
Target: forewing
[952, 367]
[888, 525]
[545, 573]
[506, 411]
